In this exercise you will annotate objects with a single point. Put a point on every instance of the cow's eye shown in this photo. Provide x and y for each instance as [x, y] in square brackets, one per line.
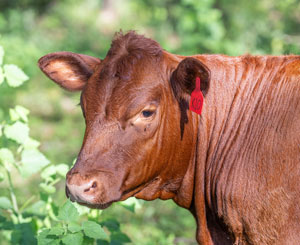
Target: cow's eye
[147, 113]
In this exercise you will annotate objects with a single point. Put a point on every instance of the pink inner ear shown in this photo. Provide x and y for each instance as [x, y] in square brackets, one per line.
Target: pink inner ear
[66, 75]
[71, 71]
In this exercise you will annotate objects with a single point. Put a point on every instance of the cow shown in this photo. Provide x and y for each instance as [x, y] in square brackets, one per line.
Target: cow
[235, 167]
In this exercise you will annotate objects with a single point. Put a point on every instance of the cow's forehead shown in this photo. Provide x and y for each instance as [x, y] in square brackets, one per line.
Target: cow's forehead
[114, 95]
[131, 68]
[143, 74]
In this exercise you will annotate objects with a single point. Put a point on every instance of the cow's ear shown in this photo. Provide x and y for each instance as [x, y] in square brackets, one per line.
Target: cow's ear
[183, 79]
[71, 71]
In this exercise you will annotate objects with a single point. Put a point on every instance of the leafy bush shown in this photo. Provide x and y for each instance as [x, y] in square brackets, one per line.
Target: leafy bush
[38, 220]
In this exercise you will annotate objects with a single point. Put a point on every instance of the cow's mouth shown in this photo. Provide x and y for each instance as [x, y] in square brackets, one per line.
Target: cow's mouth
[98, 205]
[89, 202]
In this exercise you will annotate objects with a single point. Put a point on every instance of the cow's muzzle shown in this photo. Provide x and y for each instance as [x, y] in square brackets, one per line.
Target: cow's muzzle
[96, 190]
[84, 193]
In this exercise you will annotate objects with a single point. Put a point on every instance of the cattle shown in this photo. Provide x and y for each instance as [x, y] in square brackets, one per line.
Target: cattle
[236, 166]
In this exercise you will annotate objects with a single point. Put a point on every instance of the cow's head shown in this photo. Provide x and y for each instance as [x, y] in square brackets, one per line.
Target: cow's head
[140, 138]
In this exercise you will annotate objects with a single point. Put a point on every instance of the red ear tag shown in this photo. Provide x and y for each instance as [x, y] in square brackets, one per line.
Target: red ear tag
[196, 101]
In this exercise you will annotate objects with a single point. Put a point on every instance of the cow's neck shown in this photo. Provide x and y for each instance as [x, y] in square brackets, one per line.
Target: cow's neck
[237, 87]
[230, 81]
[226, 129]
[233, 79]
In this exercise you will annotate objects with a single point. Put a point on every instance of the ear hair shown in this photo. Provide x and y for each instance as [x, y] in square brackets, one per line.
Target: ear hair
[71, 71]
[183, 79]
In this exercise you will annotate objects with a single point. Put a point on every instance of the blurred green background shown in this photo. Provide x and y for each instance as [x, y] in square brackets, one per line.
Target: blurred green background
[31, 28]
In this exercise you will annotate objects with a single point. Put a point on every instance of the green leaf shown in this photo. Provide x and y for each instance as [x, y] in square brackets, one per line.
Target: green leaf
[81, 209]
[68, 212]
[120, 237]
[19, 112]
[5, 224]
[31, 143]
[27, 230]
[14, 75]
[1, 75]
[33, 161]
[45, 239]
[55, 209]
[74, 227]
[73, 239]
[48, 188]
[56, 231]
[16, 236]
[89, 241]
[14, 116]
[5, 203]
[38, 208]
[111, 224]
[94, 230]
[6, 156]
[1, 55]
[42, 237]
[18, 131]
[62, 169]
[1, 130]
[48, 172]
[22, 112]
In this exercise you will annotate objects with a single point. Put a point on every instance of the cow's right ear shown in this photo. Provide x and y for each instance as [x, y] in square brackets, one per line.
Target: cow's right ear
[183, 78]
[69, 70]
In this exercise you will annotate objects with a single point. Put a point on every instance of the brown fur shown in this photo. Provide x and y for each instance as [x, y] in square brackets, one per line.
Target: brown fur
[236, 167]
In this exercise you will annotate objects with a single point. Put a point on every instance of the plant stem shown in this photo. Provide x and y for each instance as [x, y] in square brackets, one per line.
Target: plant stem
[55, 181]
[27, 203]
[12, 193]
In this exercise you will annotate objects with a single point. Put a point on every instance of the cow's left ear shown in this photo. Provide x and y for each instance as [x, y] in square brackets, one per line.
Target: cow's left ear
[69, 70]
[183, 79]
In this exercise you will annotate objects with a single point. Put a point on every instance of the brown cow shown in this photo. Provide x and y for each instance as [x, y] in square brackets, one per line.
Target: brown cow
[236, 167]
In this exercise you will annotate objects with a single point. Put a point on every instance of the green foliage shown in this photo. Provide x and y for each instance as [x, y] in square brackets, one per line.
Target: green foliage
[40, 220]
[14, 75]
[94, 230]
[18, 131]
[70, 239]
[69, 230]
[5, 203]
[32, 162]
[68, 213]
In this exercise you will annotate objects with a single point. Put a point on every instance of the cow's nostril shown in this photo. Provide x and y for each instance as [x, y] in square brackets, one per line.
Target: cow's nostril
[94, 185]
[82, 193]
